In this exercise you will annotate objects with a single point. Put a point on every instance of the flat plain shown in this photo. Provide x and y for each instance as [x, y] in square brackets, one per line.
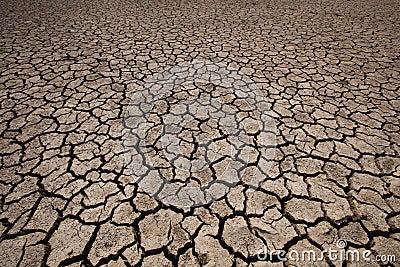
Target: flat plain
[330, 72]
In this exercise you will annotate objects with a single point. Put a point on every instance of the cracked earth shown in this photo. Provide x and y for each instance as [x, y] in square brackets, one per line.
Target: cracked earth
[329, 70]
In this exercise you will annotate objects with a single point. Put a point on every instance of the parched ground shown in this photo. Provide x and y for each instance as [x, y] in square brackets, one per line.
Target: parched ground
[330, 71]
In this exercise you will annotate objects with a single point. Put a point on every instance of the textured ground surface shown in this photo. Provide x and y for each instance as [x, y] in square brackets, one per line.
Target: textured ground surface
[329, 69]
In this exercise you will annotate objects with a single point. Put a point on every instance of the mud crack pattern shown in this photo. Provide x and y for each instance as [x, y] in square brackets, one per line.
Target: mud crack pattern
[330, 71]
[208, 136]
